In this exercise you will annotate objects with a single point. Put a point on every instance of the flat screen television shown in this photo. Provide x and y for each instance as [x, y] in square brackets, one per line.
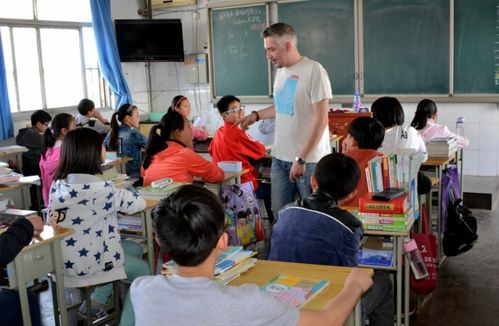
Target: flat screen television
[150, 40]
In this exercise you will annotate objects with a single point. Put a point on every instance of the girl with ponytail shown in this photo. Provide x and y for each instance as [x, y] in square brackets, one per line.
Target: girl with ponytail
[425, 123]
[169, 155]
[181, 104]
[51, 150]
[125, 139]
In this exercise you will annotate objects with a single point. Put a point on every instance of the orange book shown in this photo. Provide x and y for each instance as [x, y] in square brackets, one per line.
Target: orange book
[386, 174]
[396, 206]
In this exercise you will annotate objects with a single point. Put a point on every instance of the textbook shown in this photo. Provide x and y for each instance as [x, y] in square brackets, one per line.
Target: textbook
[293, 290]
[158, 193]
[395, 206]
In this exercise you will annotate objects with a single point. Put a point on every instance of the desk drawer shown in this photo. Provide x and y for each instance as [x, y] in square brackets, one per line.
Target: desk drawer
[35, 263]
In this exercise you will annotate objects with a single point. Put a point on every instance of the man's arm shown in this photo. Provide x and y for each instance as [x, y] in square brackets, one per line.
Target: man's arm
[248, 120]
[339, 308]
[319, 122]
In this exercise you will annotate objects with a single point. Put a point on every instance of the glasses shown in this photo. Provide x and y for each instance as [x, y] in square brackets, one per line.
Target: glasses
[236, 110]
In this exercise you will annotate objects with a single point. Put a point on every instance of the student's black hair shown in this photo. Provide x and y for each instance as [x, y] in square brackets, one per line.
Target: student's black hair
[160, 133]
[85, 106]
[62, 120]
[337, 175]
[425, 110]
[81, 152]
[188, 224]
[123, 111]
[223, 104]
[41, 116]
[388, 111]
[367, 132]
[176, 102]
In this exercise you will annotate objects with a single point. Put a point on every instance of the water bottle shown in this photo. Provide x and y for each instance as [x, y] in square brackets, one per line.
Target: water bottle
[415, 260]
[356, 101]
[460, 126]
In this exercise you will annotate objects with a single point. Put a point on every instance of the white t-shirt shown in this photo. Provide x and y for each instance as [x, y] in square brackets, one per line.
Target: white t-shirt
[177, 300]
[403, 137]
[296, 89]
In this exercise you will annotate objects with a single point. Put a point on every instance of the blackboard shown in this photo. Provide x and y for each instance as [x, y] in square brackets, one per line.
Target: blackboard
[476, 46]
[240, 65]
[326, 33]
[406, 46]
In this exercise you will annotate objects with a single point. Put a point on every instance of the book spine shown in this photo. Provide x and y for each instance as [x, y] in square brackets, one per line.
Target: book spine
[381, 207]
[386, 173]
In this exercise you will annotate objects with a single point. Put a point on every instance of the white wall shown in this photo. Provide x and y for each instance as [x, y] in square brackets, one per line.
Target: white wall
[482, 119]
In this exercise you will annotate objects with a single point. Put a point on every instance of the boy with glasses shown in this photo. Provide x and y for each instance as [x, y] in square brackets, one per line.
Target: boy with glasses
[231, 143]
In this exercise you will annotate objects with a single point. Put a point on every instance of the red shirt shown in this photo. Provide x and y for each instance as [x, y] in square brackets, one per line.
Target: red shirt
[361, 156]
[230, 143]
[180, 164]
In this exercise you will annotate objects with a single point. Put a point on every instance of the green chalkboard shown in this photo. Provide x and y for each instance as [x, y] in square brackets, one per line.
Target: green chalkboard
[476, 46]
[326, 34]
[240, 66]
[406, 46]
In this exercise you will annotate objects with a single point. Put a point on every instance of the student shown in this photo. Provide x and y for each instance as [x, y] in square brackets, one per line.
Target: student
[126, 139]
[169, 155]
[365, 136]
[51, 150]
[389, 112]
[231, 143]
[181, 104]
[79, 199]
[18, 235]
[89, 117]
[32, 139]
[190, 225]
[425, 123]
[322, 233]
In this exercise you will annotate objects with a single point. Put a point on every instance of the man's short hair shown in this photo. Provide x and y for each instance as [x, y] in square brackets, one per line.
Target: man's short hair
[280, 31]
[41, 116]
[189, 223]
[367, 132]
[388, 111]
[85, 106]
[337, 175]
[223, 104]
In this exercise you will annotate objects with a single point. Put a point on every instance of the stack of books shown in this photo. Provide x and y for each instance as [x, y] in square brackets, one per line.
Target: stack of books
[442, 147]
[158, 193]
[394, 215]
[130, 225]
[230, 264]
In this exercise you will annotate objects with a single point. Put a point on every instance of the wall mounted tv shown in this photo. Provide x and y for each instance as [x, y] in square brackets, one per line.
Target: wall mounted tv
[150, 40]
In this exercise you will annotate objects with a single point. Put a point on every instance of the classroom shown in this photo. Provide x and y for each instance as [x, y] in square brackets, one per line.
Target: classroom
[442, 50]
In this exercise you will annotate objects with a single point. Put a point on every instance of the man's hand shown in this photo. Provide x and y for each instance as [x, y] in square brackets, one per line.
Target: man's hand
[247, 121]
[297, 171]
[359, 278]
[37, 222]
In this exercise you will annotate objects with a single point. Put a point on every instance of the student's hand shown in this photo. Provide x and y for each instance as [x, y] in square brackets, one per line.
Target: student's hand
[99, 117]
[247, 121]
[359, 278]
[297, 170]
[37, 222]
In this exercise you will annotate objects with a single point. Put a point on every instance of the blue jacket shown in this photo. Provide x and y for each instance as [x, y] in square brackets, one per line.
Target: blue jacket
[130, 143]
[310, 235]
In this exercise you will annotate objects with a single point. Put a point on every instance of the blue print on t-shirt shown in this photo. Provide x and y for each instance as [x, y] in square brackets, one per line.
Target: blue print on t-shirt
[284, 98]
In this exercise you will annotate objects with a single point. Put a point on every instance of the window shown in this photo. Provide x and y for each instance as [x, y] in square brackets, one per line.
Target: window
[50, 54]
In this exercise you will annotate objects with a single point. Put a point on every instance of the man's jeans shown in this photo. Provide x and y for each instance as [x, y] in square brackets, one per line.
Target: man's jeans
[284, 191]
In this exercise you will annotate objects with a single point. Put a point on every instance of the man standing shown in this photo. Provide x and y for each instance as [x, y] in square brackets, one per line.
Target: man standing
[301, 93]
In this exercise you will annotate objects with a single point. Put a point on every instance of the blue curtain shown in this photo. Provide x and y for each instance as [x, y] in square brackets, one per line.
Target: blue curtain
[6, 126]
[109, 59]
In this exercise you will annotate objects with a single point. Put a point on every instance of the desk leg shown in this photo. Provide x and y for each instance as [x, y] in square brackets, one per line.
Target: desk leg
[150, 240]
[61, 295]
[399, 283]
[21, 286]
[406, 291]
[439, 213]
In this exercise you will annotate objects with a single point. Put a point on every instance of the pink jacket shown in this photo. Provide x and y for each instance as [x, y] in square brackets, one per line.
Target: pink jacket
[434, 130]
[48, 166]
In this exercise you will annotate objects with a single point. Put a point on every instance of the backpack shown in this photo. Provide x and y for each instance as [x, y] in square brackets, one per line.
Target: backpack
[461, 232]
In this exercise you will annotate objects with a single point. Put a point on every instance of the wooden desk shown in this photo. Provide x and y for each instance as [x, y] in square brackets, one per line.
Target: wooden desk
[24, 188]
[119, 163]
[43, 256]
[264, 270]
[14, 150]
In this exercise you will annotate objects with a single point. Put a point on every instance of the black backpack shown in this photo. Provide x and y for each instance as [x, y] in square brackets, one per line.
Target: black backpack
[461, 232]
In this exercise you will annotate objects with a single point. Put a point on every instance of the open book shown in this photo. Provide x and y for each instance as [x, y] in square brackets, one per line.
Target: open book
[293, 290]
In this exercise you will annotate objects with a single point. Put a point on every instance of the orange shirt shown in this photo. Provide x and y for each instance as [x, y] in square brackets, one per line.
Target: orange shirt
[181, 164]
[361, 156]
[230, 143]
